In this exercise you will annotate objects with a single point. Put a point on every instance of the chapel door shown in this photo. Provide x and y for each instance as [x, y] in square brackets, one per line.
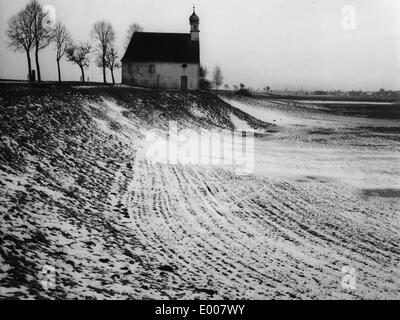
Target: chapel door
[184, 83]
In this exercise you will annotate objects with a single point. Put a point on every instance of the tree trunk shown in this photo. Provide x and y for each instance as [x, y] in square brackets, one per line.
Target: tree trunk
[37, 63]
[59, 71]
[83, 74]
[28, 57]
[112, 76]
[104, 64]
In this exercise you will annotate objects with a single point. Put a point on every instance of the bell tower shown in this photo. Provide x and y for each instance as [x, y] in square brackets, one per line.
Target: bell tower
[194, 26]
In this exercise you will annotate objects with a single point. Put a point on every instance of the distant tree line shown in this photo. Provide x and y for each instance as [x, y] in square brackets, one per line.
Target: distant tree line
[217, 79]
[30, 29]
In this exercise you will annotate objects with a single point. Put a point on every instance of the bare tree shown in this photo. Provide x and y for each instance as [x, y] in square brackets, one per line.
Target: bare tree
[79, 54]
[205, 84]
[111, 62]
[217, 77]
[134, 27]
[42, 34]
[62, 39]
[104, 34]
[20, 36]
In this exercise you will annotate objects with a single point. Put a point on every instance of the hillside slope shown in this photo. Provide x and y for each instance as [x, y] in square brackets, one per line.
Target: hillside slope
[64, 151]
[78, 195]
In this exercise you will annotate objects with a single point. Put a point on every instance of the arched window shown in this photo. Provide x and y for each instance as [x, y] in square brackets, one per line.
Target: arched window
[152, 68]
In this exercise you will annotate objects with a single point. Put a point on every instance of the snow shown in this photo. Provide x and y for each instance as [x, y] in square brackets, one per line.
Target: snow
[88, 201]
[197, 112]
[267, 115]
[240, 124]
[357, 166]
[344, 102]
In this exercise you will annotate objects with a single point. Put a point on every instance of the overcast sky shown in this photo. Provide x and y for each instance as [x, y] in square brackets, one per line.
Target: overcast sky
[289, 44]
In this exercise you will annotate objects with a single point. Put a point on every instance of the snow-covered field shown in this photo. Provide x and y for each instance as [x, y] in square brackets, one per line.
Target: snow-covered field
[78, 194]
